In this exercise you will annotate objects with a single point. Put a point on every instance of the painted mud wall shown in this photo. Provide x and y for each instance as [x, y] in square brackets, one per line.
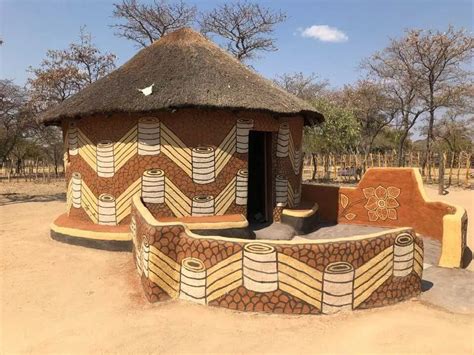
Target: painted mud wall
[394, 197]
[185, 163]
[286, 277]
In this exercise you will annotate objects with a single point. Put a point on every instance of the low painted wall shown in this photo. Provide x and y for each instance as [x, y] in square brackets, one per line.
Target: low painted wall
[323, 276]
[394, 197]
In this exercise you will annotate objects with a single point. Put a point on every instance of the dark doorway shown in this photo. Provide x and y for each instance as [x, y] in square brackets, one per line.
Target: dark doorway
[259, 202]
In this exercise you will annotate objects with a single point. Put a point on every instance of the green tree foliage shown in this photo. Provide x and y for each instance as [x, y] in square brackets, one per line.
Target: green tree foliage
[340, 133]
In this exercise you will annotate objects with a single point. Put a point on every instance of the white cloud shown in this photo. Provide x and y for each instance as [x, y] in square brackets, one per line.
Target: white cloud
[324, 33]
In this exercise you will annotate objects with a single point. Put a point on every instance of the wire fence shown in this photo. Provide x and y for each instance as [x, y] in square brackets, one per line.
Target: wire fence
[30, 170]
[336, 168]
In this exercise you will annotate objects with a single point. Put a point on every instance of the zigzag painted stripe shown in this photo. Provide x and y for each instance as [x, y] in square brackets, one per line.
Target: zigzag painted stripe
[124, 201]
[89, 203]
[176, 150]
[225, 150]
[225, 198]
[164, 272]
[177, 201]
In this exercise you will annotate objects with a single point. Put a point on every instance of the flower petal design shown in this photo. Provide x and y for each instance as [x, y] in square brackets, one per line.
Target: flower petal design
[391, 203]
[393, 191]
[382, 213]
[371, 203]
[392, 213]
[350, 216]
[373, 216]
[368, 192]
[344, 200]
[381, 192]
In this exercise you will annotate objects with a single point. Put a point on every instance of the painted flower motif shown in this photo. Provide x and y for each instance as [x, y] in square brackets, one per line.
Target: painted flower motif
[381, 202]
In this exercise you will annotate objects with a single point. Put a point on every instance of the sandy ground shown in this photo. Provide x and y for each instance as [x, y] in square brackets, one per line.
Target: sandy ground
[58, 298]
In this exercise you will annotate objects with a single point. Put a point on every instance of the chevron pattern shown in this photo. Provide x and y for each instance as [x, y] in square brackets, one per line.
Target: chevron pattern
[294, 277]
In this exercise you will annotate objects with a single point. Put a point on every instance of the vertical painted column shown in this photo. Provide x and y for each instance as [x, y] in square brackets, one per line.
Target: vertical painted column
[107, 210]
[148, 136]
[403, 254]
[203, 164]
[76, 187]
[193, 280]
[283, 140]
[105, 159]
[241, 187]
[338, 281]
[72, 139]
[260, 272]
[243, 128]
[202, 205]
[153, 186]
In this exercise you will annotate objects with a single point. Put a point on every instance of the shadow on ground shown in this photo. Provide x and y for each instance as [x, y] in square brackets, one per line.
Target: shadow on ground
[14, 198]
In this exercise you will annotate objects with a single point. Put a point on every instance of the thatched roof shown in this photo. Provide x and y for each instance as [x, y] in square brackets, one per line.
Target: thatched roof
[187, 70]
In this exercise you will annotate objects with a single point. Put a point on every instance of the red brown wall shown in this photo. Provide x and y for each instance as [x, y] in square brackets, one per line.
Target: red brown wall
[194, 128]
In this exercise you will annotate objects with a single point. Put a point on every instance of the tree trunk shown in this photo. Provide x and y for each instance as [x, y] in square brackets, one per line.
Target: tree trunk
[441, 174]
[401, 149]
[315, 165]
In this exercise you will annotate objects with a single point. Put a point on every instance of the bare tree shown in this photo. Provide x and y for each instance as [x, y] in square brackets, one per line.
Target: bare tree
[373, 108]
[60, 75]
[396, 76]
[13, 118]
[245, 27]
[308, 88]
[145, 23]
[439, 63]
[64, 72]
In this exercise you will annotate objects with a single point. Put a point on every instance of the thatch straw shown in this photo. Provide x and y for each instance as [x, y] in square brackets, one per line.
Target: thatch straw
[187, 70]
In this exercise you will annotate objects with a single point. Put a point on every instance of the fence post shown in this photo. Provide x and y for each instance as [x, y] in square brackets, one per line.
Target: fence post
[441, 174]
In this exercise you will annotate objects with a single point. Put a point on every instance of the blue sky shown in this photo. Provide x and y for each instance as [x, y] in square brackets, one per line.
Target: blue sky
[30, 27]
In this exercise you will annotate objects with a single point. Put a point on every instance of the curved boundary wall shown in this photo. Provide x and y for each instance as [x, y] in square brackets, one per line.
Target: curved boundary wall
[394, 197]
[323, 276]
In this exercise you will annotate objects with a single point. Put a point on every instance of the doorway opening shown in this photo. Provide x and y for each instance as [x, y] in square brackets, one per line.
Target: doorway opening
[260, 198]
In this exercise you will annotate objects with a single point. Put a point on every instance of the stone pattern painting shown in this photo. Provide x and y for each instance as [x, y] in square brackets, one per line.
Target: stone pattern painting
[178, 171]
[312, 277]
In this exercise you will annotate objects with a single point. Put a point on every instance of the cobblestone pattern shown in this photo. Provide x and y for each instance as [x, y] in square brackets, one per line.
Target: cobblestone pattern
[176, 244]
[395, 289]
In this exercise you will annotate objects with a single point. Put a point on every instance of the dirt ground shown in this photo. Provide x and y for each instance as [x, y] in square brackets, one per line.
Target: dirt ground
[58, 298]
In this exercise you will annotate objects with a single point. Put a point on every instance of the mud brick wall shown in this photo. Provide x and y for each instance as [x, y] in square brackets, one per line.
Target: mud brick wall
[281, 277]
[188, 162]
[388, 197]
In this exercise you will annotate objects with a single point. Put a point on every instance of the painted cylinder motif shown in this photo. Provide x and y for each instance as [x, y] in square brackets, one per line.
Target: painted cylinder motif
[260, 267]
[204, 165]
[338, 280]
[76, 187]
[202, 205]
[148, 136]
[153, 186]
[403, 253]
[193, 280]
[281, 190]
[241, 187]
[105, 159]
[107, 210]
[145, 255]
[243, 128]
[297, 161]
[283, 140]
[72, 139]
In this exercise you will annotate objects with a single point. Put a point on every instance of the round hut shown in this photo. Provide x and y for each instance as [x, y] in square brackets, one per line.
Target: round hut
[199, 135]
[173, 154]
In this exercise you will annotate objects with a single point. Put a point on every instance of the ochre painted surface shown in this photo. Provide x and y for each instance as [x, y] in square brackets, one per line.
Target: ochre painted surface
[283, 277]
[394, 197]
[193, 154]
